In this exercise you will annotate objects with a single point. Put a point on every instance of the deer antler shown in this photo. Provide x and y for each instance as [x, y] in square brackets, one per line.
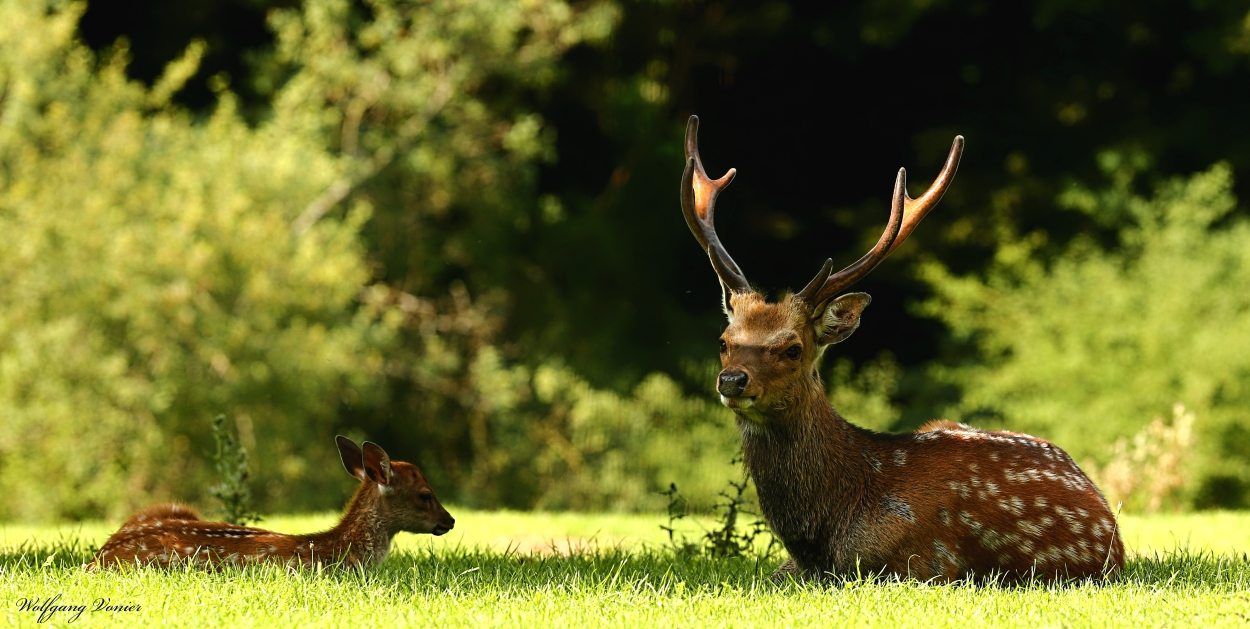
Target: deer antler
[698, 203]
[909, 210]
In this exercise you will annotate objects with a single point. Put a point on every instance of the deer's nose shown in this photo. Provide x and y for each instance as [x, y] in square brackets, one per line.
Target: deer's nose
[732, 383]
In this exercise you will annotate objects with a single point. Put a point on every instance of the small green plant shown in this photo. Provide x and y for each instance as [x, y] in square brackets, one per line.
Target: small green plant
[728, 538]
[678, 508]
[232, 467]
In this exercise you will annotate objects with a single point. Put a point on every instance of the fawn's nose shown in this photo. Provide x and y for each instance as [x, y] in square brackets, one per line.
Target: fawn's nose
[732, 383]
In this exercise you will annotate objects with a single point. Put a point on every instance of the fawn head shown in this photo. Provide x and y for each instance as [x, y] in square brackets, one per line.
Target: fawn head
[406, 501]
[770, 351]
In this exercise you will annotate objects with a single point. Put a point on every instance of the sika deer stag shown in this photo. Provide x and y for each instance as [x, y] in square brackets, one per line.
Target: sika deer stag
[393, 496]
[946, 502]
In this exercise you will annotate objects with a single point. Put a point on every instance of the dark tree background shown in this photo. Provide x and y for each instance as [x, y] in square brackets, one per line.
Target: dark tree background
[816, 104]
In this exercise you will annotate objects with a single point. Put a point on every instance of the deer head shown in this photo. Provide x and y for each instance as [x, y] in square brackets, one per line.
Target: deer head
[407, 502]
[770, 351]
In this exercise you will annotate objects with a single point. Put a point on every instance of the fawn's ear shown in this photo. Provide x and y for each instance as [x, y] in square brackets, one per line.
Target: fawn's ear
[377, 464]
[840, 317]
[353, 458]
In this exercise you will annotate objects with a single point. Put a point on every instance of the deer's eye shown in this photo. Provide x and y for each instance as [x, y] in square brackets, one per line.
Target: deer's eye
[724, 347]
[427, 496]
[794, 352]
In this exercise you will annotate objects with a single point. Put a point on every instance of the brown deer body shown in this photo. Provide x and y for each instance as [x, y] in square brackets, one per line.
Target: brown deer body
[946, 502]
[393, 496]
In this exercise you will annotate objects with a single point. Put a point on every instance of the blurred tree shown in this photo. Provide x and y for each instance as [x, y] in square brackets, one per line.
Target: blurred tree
[151, 280]
[233, 31]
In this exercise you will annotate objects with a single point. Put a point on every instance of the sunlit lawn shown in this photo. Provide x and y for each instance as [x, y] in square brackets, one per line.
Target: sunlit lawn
[579, 570]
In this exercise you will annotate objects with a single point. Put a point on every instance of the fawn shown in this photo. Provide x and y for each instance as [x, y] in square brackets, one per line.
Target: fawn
[946, 502]
[394, 496]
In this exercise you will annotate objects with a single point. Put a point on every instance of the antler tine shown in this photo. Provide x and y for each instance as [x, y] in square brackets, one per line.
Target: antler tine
[698, 204]
[842, 279]
[808, 294]
[908, 213]
[915, 209]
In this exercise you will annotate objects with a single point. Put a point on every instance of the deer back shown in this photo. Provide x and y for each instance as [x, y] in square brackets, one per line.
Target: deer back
[957, 502]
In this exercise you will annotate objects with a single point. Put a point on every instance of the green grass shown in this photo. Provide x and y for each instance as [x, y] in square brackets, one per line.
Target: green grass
[1188, 570]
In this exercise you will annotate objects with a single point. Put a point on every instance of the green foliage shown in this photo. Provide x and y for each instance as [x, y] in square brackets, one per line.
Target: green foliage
[422, 101]
[552, 441]
[151, 276]
[863, 395]
[1091, 346]
[233, 492]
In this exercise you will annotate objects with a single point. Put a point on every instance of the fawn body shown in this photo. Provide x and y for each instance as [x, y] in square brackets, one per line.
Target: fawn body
[946, 502]
[393, 496]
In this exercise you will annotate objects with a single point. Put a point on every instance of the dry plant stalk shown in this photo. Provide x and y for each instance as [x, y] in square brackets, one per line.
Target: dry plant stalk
[1148, 469]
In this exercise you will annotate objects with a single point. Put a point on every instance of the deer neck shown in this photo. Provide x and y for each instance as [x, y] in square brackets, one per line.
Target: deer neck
[362, 536]
[811, 470]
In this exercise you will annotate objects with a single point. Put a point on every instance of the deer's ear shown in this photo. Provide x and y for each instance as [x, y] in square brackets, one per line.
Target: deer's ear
[840, 317]
[377, 464]
[726, 296]
[353, 458]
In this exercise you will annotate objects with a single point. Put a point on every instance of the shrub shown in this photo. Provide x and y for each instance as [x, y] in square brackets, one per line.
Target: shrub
[1148, 472]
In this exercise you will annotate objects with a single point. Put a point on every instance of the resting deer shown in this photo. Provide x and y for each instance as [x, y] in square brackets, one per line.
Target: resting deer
[943, 503]
[393, 496]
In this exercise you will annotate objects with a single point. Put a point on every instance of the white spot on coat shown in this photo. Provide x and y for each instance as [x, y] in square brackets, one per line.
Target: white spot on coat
[900, 458]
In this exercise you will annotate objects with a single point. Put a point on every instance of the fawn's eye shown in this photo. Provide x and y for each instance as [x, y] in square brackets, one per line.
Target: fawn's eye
[427, 496]
[794, 352]
[724, 347]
